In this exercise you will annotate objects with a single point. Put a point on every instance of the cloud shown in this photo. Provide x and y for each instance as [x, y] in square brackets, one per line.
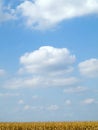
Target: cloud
[68, 102]
[9, 94]
[52, 107]
[21, 101]
[47, 59]
[89, 101]
[6, 13]
[37, 108]
[2, 72]
[35, 97]
[39, 82]
[18, 83]
[33, 108]
[45, 67]
[41, 108]
[89, 68]
[22, 83]
[41, 14]
[27, 107]
[75, 89]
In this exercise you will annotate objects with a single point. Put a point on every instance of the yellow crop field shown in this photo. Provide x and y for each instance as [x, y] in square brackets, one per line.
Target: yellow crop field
[49, 126]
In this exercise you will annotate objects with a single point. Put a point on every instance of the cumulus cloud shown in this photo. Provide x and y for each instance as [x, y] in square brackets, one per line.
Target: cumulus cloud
[42, 14]
[45, 67]
[48, 59]
[6, 13]
[89, 68]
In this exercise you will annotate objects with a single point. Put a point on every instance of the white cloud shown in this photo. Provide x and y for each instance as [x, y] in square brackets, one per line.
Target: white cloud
[89, 68]
[75, 89]
[68, 102]
[33, 108]
[45, 67]
[49, 60]
[34, 97]
[52, 108]
[89, 101]
[17, 83]
[9, 94]
[44, 14]
[27, 107]
[40, 82]
[6, 13]
[37, 108]
[2, 72]
[41, 108]
[20, 101]
[63, 81]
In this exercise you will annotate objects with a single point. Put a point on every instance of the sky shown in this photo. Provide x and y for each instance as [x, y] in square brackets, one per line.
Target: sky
[48, 60]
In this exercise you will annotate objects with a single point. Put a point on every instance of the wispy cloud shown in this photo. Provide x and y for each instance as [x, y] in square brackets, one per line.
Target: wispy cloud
[52, 107]
[35, 97]
[27, 107]
[2, 72]
[9, 94]
[19, 83]
[6, 13]
[77, 89]
[89, 101]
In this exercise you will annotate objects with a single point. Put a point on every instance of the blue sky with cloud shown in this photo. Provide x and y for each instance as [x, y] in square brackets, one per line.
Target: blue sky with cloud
[48, 60]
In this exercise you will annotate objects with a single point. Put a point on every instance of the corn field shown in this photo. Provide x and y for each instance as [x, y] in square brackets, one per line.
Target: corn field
[50, 126]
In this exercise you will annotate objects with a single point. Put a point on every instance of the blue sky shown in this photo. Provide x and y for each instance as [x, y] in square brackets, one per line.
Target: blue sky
[48, 60]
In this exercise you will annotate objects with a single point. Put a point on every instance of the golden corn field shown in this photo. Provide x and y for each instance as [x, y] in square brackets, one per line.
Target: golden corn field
[50, 126]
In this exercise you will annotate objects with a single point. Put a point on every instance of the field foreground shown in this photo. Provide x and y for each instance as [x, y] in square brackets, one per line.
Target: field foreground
[49, 126]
